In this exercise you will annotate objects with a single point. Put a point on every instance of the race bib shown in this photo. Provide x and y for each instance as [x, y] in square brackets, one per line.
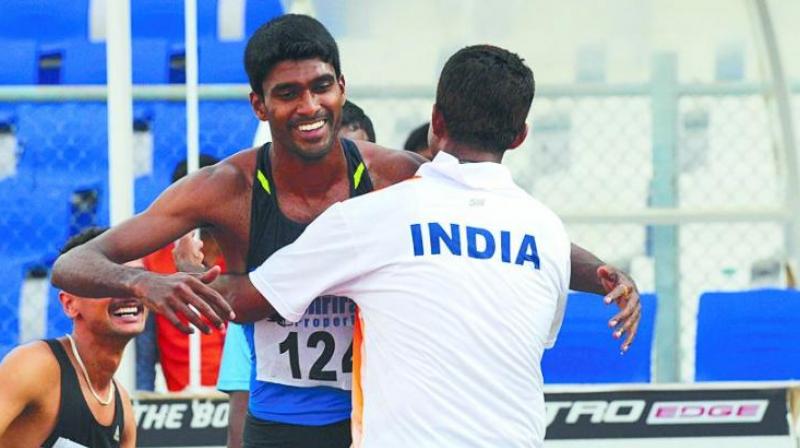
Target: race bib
[66, 443]
[315, 351]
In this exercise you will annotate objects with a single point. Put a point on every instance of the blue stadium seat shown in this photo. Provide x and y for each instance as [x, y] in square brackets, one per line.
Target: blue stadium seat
[226, 127]
[35, 220]
[150, 61]
[221, 62]
[157, 18]
[83, 62]
[45, 20]
[164, 19]
[148, 188]
[258, 12]
[63, 140]
[19, 61]
[748, 336]
[585, 352]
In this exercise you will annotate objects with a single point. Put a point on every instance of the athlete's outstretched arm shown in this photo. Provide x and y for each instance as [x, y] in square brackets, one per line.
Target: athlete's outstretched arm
[95, 269]
[590, 274]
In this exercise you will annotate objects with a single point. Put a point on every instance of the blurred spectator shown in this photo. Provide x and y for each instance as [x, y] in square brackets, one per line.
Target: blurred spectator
[173, 345]
[356, 125]
[417, 141]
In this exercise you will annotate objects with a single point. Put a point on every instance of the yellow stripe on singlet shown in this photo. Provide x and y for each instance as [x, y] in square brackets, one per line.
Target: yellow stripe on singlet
[357, 175]
[264, 182]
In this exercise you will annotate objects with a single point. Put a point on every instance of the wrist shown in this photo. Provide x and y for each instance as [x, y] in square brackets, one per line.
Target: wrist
[136, 284]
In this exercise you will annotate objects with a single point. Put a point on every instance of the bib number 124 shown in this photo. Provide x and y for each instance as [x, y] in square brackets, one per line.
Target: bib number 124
[318, 369]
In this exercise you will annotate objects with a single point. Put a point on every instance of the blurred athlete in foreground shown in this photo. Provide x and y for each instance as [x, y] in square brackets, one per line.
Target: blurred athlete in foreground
[61, 392]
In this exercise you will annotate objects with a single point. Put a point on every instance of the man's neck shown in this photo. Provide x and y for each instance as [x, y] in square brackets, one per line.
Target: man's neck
[101, 355]
[472, 154]
[309, 178]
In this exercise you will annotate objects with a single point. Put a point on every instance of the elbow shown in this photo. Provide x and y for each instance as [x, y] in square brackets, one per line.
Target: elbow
[58, 273]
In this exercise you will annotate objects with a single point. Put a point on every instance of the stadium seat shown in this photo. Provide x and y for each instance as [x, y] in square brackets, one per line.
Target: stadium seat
[221, 62]
[83, 62]
[164, 19]
[585, 352]
[748, 336]
[63, 140]
[45, 20]
[35, 220]
[19, 61]
[150, 61]
[257, 12]
[226, 127]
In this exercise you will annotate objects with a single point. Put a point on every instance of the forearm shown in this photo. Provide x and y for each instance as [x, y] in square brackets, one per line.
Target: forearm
[584, 267]
[88, 273]
[246, 301]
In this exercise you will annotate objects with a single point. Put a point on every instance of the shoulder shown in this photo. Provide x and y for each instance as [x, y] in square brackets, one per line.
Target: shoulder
[388, 166]
[32, 355]
[235, 171]
[36, 359]
[216, 184]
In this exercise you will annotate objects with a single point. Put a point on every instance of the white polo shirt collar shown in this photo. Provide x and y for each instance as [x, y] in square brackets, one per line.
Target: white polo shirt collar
[479, 175]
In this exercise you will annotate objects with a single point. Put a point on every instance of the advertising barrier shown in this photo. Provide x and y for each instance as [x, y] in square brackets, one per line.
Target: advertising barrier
[640, 416]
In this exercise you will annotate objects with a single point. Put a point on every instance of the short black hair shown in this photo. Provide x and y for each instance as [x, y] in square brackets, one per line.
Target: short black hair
[182, 168]
[82, 237]
[484, 95]
[417, 139]
[352, 115]
[291, 37]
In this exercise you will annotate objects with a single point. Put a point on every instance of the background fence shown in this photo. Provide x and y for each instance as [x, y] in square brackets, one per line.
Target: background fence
[685, 186]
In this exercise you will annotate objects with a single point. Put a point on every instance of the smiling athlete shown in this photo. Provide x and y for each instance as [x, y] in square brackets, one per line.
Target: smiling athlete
[60, 392]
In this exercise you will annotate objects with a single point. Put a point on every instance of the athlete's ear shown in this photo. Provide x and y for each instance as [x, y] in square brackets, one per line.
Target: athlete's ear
[341, 83]
[438, 126]
[520, 137]
[259, 108]
[68, 304]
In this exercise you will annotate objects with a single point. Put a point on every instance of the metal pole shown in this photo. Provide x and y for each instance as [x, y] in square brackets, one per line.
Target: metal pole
[783, 103]
[192, 153]
[664, 193]
[120, 138]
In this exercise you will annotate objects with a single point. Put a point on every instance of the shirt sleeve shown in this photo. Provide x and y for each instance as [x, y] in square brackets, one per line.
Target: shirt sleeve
[561, 307]
[320, 260]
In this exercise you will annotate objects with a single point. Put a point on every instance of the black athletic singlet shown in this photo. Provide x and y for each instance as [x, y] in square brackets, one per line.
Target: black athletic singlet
[270, 229]
[296, 396]
[75, 420]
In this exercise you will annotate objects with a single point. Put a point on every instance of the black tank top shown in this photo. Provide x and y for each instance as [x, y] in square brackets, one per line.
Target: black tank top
[75, 419]
[270, 229]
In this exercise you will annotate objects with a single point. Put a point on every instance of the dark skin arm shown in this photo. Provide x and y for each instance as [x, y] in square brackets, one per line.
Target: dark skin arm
[238, 412]
[590, 274]
[95, 269]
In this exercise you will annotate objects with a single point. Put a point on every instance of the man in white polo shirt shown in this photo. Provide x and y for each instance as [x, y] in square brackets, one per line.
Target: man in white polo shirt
[459, 275]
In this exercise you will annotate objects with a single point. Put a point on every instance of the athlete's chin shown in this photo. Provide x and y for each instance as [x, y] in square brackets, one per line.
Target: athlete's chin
[127, 330]
[313, 153]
